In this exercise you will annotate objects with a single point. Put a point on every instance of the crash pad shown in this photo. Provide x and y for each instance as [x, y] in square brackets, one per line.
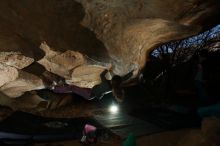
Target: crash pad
[21, 126]
[146, 121]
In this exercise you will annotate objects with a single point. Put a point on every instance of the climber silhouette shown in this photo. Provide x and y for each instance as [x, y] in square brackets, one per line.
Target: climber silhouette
[113, 86]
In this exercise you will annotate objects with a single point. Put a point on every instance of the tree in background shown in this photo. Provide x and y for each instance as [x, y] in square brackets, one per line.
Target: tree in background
[173, 60]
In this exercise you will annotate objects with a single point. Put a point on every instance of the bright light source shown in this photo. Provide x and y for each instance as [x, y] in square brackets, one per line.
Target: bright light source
[113, 109]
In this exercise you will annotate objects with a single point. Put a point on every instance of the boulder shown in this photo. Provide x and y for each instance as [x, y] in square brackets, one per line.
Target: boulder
[7, 74]
[24, 82]
[15, 59]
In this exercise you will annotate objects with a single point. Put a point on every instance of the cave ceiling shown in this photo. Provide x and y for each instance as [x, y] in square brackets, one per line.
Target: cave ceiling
[78, 39]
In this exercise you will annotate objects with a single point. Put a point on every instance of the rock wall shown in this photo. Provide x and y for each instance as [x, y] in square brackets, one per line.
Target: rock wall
[78, 39]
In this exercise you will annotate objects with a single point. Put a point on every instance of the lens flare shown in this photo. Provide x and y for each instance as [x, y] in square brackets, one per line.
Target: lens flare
[113, 109]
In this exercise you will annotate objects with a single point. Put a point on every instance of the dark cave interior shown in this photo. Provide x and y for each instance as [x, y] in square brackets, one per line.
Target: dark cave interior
[106, 73]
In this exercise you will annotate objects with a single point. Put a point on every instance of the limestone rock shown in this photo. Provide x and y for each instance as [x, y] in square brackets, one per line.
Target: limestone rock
[15, 59]
[86, 76]
[131, 29]
[61, 63]
[10, 62]
[77, 32]
[7, 74]
[73, 66]
[49, 53]
[24, 82]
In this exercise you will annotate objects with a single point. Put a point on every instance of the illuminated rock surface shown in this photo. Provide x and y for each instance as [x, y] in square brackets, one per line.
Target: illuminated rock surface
[75, 38]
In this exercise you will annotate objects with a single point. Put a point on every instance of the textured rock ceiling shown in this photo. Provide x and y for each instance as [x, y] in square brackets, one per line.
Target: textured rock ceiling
[78, 39]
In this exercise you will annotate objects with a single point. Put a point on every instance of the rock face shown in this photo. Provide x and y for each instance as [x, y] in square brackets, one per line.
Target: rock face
[7, 74]
[72, 66]
[15, 59]
[14, 82]
[86, 76]
[132, 28]
[10, 62]
[60, 63]
[78, 39]
[24, 82]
